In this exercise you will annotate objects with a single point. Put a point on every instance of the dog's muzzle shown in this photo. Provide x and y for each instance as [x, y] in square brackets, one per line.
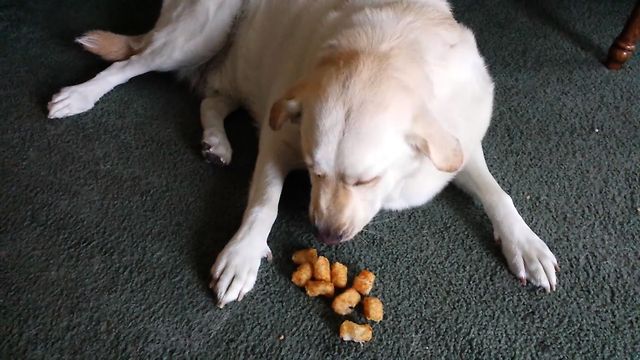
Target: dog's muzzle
[327, 236]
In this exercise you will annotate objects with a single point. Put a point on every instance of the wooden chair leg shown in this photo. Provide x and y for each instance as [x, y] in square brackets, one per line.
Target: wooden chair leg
[625, 44]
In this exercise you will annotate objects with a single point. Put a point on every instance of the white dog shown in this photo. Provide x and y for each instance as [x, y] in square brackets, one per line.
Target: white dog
[383, 101]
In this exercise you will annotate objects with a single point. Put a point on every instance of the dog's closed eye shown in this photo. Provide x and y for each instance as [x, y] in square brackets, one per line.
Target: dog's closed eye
[367, 182]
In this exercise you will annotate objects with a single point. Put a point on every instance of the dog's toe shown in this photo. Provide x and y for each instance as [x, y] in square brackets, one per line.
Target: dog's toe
[235, 271]
[234, 283]
[216, 151]
[211, 157]
[238, 287]
[70, 101]
[530, 259]
[536, 273]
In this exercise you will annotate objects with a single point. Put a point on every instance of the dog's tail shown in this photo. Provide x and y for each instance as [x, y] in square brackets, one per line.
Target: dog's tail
[110, 46]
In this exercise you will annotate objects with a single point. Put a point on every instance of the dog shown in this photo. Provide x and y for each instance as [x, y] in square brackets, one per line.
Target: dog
[384, 102]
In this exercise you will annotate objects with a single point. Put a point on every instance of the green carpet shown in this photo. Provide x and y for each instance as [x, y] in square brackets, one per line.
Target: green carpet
[110, 220]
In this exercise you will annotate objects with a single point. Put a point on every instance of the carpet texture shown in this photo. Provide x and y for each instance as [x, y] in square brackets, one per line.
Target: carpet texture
[110, 220]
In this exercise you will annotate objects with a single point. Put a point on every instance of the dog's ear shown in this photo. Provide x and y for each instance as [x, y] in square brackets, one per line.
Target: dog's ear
[289, 107]
[432, 140]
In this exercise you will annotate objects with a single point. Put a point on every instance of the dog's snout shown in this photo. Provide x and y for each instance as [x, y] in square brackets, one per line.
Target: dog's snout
[328, 236]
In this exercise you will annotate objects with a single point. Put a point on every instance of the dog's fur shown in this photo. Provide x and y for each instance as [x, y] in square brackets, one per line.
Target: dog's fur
[383, 101]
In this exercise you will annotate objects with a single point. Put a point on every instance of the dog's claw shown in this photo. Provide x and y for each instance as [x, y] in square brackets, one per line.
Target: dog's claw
[72, 100]
[235, 270]
[210, 156]
[214, 159]
[496, 237]
[216, 149]
[528, 257]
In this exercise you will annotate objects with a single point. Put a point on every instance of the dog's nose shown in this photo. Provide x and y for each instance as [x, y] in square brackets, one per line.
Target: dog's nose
[328, 237]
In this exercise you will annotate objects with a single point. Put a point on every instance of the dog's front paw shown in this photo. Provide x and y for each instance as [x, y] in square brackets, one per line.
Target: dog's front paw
[70, 101]
[216, 148]
[235, 270]
[528, 257]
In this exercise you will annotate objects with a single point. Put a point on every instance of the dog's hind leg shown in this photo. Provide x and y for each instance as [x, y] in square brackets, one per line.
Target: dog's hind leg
[215, 145]
[113, 47]
[187, 34]
[80, 98]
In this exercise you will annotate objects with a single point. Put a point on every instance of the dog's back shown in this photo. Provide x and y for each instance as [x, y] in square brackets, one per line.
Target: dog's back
[279, 40]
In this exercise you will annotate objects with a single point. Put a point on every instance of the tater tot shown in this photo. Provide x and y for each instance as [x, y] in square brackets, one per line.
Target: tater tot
[316, 288]
[364, 282]
[302, 275]
[344, 303]
[339, 275]
[373, 309]
[305, 256]
[322, 269]
[350, 331]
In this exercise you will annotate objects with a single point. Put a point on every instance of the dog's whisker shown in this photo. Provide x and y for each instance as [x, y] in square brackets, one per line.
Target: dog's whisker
[382, 219]
[374, 233]
[380, 222]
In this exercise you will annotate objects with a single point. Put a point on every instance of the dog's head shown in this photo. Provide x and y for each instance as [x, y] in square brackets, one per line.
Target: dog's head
[364, 128]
